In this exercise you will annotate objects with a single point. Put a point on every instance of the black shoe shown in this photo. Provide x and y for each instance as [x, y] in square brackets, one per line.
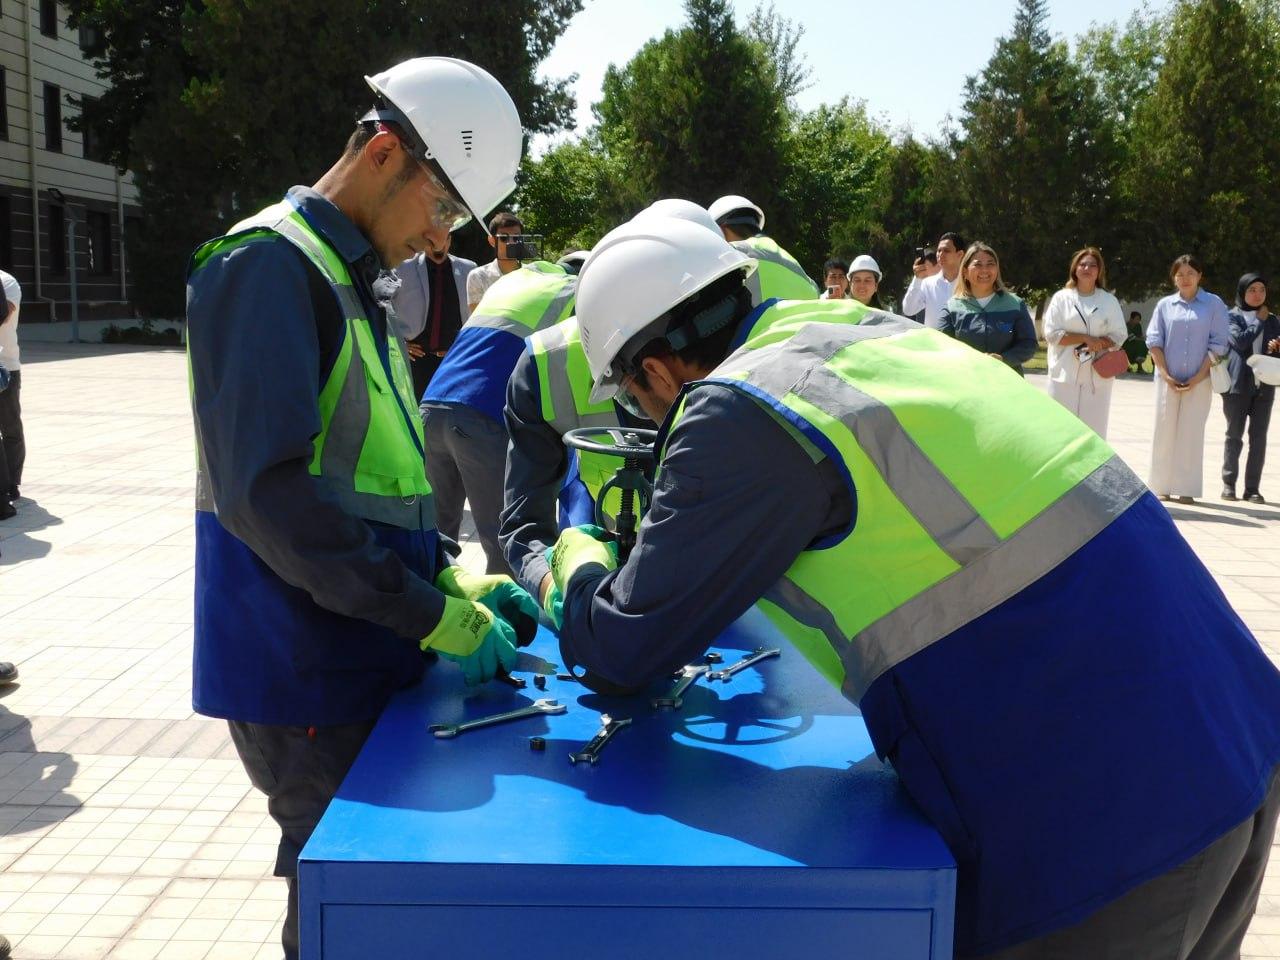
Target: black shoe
[1185, 499]
[7, 510]
[1254, 497]
[1229, 493]
[5, 950]
[13, 495]
[8, 674]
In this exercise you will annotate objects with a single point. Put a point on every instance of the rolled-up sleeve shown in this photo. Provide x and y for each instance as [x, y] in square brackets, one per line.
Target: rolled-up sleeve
[1156, 327]
[737, 500]
[1219, 329]
[536, 466]
[256, 374]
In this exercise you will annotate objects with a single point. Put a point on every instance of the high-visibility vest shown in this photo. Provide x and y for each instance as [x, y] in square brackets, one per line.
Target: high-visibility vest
[524, 301]
[369, 452]
[962, 496]
[778, 276]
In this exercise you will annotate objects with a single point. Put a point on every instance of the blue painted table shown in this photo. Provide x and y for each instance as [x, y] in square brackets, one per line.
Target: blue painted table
[755, 822]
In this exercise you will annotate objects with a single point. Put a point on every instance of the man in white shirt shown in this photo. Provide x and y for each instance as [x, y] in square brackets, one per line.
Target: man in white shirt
[502, 228]
[13, 450]
[931, 293]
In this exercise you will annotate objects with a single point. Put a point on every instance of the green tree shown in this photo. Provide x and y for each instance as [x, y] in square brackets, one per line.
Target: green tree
[218, 106]
[1204, 160]
[1035, 154]
[697, 112]
[574, 194]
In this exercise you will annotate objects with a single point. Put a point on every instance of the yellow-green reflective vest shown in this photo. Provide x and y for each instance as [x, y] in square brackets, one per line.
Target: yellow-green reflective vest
[778, 275]
[564, 384]
[368, 454]
[527, 300]
[969, 484]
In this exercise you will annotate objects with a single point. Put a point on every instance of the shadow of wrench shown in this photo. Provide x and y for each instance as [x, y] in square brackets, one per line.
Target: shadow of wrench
[539, 707]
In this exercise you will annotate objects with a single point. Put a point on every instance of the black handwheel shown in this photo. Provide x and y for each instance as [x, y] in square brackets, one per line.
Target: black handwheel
[635, 448]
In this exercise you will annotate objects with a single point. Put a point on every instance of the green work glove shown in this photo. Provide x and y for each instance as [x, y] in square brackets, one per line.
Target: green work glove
[474, 638]
[553, 602]
[499, 593]
[576, 548]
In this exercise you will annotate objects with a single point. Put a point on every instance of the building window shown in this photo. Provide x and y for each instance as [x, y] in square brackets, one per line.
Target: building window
[99, 224]
[49, 18]
[57, 239]
[90, 40]
[4, 106]
[52, 118]
[93, 149]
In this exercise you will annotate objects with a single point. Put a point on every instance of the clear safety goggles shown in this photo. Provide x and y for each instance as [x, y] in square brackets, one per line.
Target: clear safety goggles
[445, 210]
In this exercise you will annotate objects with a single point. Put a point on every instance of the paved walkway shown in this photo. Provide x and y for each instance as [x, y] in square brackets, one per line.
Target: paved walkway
[127, 826]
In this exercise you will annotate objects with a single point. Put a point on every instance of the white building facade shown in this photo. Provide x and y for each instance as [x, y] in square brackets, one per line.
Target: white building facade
[61, 206]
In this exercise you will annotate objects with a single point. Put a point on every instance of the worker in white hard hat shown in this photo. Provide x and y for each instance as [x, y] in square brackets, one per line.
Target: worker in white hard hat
[922, 527]
[864, 280]
[549, 486]
[780, 274]
[320, 576]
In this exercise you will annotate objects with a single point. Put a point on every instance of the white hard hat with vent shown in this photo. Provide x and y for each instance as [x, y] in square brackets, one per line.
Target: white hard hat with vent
[865, 262]
[722, 208]
[683, 210]
[635, 275]
[465, 121]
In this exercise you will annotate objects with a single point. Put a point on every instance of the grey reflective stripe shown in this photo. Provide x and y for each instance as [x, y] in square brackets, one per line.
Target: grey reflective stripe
[753, 287]
[348, 299]
[349, 424]
[1077, 517]
[948, 518]
[409, 513]
[492, 322]
[790, 597]
[566, 416]
[559, 303]
[550, 316]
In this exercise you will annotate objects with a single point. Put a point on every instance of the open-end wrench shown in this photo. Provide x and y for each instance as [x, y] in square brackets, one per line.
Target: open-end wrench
[537, 708]
[591, 752]
[675, 696]
[727, 673]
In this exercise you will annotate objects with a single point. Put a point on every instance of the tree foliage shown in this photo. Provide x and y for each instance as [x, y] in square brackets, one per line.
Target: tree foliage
[1206, 144]
[1035, 153]
[218, 106]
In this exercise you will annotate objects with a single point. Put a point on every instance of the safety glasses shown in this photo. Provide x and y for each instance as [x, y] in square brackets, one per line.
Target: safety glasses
[445, 210]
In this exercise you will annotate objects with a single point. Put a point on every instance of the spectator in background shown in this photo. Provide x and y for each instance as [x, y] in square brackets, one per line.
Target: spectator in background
[1186, 328]
[864, 281]
[13, 448]
[503, 227]
[929, 290]
[984, 314]
[835, 281]
[430, 306]
[1253, 329]
[1083, 321]
[1135, 344]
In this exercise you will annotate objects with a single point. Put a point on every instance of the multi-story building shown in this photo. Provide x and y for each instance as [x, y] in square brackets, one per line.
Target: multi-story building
[61, 206]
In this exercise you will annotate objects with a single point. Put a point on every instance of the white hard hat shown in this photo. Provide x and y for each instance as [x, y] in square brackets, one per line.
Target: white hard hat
[574, 260]
[683, 209]
[865, 262]
[721, 209]
[466, 121]
[1265, 369]
[637, 273]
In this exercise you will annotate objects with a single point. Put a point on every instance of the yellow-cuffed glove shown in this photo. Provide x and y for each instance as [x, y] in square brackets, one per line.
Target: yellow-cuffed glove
[502, 595]
[576, 548]
[474, 638]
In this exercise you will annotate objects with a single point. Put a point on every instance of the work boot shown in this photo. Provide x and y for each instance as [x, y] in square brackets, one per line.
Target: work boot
[1229, 493]
[8, 674]
[1253, 496]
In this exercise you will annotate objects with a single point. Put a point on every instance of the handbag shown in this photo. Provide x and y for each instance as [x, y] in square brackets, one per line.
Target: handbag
[1111, 364]
[1219, 375]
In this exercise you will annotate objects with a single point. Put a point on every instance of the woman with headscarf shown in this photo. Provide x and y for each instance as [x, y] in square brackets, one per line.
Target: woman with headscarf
[1247, 404]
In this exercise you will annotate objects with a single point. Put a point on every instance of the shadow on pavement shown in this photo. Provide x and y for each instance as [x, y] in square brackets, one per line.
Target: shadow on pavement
[16, 544]
[32, 783]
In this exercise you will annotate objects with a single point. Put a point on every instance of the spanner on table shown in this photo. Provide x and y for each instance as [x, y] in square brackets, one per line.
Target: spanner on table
[591, 752]
[537, 708]
[675, 696]
[727, 673]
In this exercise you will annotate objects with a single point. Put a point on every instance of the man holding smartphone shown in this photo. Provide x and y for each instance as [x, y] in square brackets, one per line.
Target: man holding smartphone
[930, 291]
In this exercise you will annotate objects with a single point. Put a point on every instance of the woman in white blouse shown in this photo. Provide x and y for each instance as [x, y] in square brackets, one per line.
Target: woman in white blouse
[1083, 321]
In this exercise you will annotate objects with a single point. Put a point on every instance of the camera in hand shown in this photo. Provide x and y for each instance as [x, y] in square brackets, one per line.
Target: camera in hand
[524, 247]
